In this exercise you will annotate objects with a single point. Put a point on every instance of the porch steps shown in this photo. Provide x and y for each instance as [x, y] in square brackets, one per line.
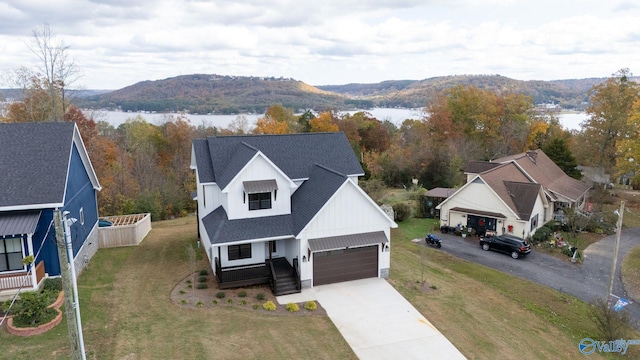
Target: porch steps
[286, 282]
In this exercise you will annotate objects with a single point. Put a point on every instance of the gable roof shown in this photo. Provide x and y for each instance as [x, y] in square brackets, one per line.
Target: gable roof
[305, 204]
[477, 167]
[542, 170]
[34, 163]
[313, 194]
[513, 187]
[220, 158]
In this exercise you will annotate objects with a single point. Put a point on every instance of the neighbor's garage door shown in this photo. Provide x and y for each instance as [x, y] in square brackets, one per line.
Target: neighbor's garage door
[344, 265]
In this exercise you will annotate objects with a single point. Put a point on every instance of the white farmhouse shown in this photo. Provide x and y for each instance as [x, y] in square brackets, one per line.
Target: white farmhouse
[287, 210]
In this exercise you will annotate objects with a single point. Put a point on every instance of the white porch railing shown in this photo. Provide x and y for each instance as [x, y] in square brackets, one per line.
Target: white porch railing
[15, 281]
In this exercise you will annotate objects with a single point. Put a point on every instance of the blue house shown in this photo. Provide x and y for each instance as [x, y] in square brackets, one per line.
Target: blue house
[43, 167]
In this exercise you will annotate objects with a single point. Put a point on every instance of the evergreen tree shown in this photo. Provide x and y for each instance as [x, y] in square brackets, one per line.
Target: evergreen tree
[558, 151]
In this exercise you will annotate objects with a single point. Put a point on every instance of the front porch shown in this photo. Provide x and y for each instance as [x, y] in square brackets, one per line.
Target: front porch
[10, 282]
[283, 277]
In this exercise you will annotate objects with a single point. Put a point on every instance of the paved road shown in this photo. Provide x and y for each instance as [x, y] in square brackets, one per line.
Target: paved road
[588, 281]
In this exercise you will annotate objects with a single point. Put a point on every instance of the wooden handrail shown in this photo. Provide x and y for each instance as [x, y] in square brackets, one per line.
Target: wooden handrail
[40, 272]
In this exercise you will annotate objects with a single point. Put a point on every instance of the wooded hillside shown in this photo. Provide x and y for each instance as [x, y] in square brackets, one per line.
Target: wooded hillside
[219, 94]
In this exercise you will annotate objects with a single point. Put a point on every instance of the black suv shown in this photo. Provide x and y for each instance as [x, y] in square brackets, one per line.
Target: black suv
[508, 244]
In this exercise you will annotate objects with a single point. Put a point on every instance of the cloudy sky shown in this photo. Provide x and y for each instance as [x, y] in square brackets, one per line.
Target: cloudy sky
[116, 43]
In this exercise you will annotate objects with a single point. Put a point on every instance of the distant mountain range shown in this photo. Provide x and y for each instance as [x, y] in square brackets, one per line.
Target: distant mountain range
[202, 93]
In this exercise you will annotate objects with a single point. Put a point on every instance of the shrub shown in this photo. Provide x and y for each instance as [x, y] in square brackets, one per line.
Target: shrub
[292, 307]
[542, 234]
[53, 285]
[202, 279]
[188, 281]
[202, 286]
[255, 306]
[229, 301]
[31, 309]
[183, 302]
[311, 305]
[243, 302]
[199, 304]
[401, 211]
[182, 292]
[269, 305]
[204, 272]
[611, 324]
[242, 294]
[260, 296]
[220, 295]
[214, 301]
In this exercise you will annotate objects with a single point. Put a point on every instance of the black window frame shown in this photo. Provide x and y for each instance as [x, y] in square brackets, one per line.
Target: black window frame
[5, 255]
[260, 201]
[239, 252]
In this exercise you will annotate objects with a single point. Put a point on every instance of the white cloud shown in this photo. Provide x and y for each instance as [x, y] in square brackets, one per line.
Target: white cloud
[120, 42]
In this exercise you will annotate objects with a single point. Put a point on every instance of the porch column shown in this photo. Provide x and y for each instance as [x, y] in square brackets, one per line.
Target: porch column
[34, 278]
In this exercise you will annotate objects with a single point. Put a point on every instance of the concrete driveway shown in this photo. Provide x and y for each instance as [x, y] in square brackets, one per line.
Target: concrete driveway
[378, 322]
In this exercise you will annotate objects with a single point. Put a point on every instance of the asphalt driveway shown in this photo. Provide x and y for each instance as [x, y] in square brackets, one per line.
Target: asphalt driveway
[588, 281]
[378, 322]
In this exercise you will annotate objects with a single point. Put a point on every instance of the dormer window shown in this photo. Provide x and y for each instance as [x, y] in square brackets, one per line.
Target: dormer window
[260, 193]
[260, 201]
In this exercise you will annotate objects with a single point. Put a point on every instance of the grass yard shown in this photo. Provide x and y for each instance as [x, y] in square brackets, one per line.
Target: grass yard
[485, 313]
[631, 273]
[127, 312]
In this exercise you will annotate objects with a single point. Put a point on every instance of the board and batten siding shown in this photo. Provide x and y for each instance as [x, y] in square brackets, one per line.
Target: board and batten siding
[237, 205]
[347, 213]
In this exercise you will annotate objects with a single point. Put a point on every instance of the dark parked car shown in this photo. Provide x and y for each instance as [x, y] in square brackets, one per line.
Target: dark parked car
[508, 244]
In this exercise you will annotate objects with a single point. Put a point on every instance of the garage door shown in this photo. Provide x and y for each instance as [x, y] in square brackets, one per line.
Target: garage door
[345, 264]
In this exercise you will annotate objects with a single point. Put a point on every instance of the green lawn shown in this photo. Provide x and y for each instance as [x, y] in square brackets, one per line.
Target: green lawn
[127, 312]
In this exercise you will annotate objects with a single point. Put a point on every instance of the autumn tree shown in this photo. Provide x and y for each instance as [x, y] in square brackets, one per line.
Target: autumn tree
[628, 148]
[277, 120]
[610, 107]
[324, 122]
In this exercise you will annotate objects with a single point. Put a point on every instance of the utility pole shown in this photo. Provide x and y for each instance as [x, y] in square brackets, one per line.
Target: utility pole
[614, 263]
[67, 285]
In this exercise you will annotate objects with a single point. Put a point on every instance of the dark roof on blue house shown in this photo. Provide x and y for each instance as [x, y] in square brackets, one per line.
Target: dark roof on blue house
[220, 158]
[34, 160]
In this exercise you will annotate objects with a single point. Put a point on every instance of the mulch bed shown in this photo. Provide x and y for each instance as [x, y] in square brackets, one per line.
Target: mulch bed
[187, 295]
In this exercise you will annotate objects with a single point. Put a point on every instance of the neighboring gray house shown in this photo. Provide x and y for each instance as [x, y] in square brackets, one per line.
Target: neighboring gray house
[287, 209]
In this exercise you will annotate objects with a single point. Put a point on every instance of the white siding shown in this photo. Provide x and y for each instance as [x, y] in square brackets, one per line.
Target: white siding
[258, 255]
[348, 212]
[237, 203]
[476, 195]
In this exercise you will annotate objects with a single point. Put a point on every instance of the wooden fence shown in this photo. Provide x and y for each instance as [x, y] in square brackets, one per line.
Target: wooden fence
[127, 230]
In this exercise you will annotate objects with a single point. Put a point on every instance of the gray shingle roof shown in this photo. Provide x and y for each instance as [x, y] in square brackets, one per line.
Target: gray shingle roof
[222, 230]
[294, 154]
[305, 204]
[313, 194]
[34, 159]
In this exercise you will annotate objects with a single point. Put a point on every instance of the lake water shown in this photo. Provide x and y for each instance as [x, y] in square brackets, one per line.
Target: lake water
[569, 121]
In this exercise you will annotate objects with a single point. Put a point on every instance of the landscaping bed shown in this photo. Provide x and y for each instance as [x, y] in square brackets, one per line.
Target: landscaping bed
[200, 290]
